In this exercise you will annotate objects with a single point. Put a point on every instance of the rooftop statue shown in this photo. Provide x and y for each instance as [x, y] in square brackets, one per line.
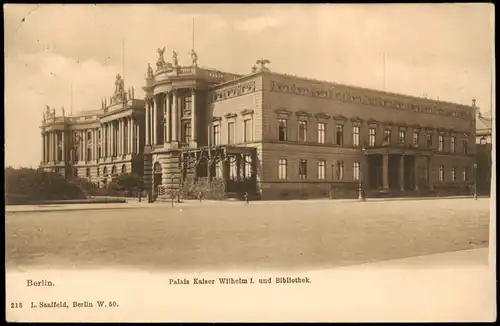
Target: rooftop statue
[161, 61]
[174, 58]
[150, 73]
[254, 69]
[262, 63]
[119, 85]
[63, 112]
[194, 57]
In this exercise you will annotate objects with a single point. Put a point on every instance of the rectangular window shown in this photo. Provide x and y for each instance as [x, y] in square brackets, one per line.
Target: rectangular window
[441, 173]
[233, 169]
[89, 154]
[387, 136]
[466, 146]
[452, 144]
[402, 137]
[187, 105]
[453, 174]
[230, 133]
[338, 170]
[321, 169]
[355, 136]
[247, 130]
[321, 132]
[216, 135]
[186, 132]
[303, 169]
[429, 140]
[371, 138]
[282, 132]
[218, 169]
[416, 138]
[247, 166]
[355, 170]
[282, 169]
[440, 143]
[302, 131]
[464, 174]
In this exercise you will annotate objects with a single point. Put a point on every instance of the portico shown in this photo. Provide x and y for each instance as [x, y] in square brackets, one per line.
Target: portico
[397, 169]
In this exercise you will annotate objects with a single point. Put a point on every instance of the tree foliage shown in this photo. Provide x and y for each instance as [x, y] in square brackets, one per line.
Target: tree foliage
[26, 185]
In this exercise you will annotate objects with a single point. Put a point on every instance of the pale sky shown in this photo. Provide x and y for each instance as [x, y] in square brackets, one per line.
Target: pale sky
[443, 51]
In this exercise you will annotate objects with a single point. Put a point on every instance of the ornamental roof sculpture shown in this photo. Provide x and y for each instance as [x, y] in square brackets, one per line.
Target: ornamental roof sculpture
[194, 58]
[262, 63]
[150, 73]
[160, 63]
[175, 58]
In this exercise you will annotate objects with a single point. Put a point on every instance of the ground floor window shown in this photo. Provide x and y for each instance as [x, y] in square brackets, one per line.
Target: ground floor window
[218, 169]
[282, 169]
[441, 173]
[355, 170]
[233, 169]
[303, 169]
[321, 169]
[247, 162]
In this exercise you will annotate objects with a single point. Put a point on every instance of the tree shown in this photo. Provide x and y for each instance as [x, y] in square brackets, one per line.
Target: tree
[130, 182]
[26, 185]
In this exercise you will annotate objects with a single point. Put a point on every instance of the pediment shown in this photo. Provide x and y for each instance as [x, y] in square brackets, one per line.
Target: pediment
[246, 112]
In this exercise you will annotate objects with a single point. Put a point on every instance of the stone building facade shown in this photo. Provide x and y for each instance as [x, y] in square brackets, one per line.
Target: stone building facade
[99, 144]
[278, 136]
[484, 127]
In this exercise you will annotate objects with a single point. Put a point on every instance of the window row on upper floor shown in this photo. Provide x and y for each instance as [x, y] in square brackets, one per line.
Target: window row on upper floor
[418, 138]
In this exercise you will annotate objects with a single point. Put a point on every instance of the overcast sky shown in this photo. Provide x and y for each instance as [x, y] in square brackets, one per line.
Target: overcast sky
[443, 51]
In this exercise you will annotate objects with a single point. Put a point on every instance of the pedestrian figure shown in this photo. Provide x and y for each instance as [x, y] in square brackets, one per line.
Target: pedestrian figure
[140, 196]
[246, 197]
[200, 195]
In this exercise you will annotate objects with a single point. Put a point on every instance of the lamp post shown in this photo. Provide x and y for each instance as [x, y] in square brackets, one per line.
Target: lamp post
[475, 181]
[361, 192]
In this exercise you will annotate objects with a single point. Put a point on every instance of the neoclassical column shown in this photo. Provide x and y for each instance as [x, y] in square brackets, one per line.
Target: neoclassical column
[137, 137]
[63, 146]
[147, 121]
[402, 172]
[167, 117]
[49, 147]
[385, 171]
[155, 119]
[105, 140]
[193, 116]
[129, 131]
[85, 145]
[174, 116]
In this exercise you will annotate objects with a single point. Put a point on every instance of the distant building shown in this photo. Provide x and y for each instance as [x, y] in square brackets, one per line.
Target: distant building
[273, 135]
[98, 144]
[483, 149]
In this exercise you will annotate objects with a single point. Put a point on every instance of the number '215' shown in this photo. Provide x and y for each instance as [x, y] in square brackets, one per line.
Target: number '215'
[16, 304]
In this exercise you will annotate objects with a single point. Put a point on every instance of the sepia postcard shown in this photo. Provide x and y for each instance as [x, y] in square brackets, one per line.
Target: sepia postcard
[250, 162]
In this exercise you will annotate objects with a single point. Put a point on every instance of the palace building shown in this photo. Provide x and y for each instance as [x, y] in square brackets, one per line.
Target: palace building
[273, 135]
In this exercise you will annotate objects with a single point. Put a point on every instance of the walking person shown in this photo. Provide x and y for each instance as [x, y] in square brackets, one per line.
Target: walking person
[246, 197]
[200, 195]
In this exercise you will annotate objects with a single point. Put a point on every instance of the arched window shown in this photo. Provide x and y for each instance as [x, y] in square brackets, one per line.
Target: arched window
[124, 168]
[87, 172]
[105, 172]
[113, 170]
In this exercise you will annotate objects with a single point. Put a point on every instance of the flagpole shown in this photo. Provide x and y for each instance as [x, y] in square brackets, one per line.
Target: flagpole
[71, 99]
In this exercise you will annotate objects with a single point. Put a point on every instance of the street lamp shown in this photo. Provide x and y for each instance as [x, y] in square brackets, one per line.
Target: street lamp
[475, 181]
[361, 192]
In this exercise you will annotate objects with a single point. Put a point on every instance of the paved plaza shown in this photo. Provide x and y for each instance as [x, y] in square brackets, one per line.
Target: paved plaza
[292, 234]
